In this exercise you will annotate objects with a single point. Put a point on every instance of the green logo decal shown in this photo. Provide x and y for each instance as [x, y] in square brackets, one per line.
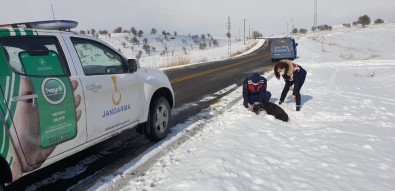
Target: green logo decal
[54, 90]
[42, 61]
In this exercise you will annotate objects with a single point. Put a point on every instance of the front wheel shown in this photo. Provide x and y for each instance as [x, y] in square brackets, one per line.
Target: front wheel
[159, 117]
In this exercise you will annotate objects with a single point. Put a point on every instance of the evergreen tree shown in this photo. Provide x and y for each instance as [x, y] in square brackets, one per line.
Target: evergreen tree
[364, 20]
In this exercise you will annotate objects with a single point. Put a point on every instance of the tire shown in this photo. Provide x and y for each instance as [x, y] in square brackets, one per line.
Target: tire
[159, 117]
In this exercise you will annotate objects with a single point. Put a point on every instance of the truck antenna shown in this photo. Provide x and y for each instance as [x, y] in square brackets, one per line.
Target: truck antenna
[53, 13]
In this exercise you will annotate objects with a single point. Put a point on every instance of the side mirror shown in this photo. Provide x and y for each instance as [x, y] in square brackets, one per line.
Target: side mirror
[132, 65]
[297, 44]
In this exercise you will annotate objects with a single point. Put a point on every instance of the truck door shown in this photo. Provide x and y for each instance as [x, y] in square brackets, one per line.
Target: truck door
[112, 95]
[44, 103]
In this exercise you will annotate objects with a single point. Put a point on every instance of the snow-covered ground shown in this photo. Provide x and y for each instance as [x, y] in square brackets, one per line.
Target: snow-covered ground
[342, 139]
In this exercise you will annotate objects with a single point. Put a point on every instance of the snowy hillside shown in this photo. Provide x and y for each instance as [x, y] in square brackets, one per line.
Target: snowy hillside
[342, 139]
[169, 51]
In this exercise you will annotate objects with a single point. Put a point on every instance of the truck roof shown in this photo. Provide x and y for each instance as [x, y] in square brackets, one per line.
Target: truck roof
[50, 25]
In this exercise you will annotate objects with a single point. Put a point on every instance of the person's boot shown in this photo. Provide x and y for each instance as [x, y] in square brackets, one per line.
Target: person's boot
[280, 102]
[298, 108]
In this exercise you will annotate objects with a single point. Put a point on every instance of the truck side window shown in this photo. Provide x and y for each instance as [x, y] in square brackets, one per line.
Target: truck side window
[13, 46]
[96, 58]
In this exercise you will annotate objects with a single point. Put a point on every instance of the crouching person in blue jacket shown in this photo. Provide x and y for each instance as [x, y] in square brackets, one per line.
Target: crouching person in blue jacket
[254, 91]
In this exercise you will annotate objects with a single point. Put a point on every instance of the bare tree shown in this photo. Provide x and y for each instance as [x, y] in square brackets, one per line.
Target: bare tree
[135, 41]
[302, 31]
[118, 30]
[103, 32]
[147, 49]
[140, 33]
[139, 54]
[215, 43]
[185, 50]
[378, 21]
[203, 36]
[256, 34]
[133, 31]
[202, 45]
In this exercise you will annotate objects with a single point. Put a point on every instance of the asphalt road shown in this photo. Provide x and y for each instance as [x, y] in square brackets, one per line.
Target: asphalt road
[191, 84]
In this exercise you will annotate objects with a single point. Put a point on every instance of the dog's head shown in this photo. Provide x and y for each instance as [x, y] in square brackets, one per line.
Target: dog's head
[258, 108]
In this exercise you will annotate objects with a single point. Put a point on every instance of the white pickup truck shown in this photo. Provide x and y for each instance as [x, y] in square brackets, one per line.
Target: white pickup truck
[62, 93]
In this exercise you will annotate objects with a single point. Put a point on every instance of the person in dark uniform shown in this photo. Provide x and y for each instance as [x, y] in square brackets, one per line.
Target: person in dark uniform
[294, 44]
[254, 91]
[293, 75]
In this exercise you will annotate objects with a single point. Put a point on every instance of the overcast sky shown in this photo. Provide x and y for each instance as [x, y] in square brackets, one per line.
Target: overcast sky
[196, 17]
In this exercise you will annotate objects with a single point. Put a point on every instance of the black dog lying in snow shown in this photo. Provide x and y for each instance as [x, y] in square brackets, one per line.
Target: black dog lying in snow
[271, 109]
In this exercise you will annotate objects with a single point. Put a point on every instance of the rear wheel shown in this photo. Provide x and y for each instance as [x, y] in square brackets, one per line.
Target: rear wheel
[159, 117]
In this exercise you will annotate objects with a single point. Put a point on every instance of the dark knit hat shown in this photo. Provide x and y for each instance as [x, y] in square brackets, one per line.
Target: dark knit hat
[255, 78]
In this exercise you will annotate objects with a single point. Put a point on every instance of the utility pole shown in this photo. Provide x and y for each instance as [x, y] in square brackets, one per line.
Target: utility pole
[292, 25]
[228, 26]
[315, 15]
[249, 33]
[287, 28]
[244, 31]
[239, 35]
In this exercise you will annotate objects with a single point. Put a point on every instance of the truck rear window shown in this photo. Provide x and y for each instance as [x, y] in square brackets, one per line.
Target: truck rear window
[13, 46]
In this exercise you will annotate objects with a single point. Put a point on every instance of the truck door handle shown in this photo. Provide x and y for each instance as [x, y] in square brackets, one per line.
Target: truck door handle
[93, 87]
[24, 97]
